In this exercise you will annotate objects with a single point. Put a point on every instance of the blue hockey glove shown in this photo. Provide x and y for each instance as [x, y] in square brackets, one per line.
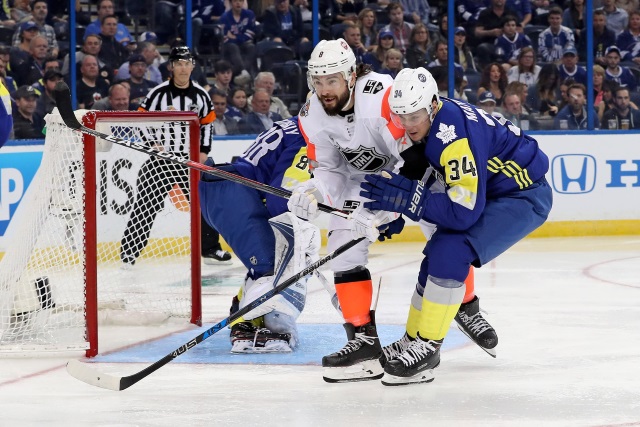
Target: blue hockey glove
[388, 230]
[395, 193]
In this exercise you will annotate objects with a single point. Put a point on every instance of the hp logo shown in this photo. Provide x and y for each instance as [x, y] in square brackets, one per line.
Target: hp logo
[573, 173]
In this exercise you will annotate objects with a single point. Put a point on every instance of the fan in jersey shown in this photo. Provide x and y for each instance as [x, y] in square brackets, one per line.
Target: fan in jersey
[157, 176]
[347, 126]
[6, 119]
[245, 218]
[495, 194]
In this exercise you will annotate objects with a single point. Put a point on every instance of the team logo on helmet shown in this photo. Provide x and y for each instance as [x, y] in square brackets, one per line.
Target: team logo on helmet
[422, 77]
[365, 159]
[344, 45]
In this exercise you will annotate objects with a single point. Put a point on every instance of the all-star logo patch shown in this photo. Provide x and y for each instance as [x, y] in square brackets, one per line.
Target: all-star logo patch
[446, 133]
[304, 111]
[422, 77]
[366, 159]
[372, 87]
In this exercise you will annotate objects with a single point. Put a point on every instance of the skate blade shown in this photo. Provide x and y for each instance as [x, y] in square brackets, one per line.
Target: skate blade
[490, 351]
[246, 347]
[363, 371]
[419, 378]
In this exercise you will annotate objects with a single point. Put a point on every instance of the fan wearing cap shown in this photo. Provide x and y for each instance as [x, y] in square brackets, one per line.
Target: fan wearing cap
[487, 102]
[26, 124]
[494, 194]
[39, 15]
[157, 177]
[150, 55]
[20, 52]
[139, 86]
[569, 69]
[375, 58]
[616, 72]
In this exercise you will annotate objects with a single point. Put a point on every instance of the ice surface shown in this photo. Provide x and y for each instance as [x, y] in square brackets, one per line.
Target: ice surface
[567, 312]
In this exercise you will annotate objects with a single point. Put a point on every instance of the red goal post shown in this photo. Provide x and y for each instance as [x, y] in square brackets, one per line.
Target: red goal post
[66, 272]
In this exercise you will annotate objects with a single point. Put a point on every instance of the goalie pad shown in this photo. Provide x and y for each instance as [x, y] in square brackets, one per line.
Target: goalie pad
[297, 246]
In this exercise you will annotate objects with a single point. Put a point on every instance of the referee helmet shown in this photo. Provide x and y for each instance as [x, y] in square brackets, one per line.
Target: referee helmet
[180, 53]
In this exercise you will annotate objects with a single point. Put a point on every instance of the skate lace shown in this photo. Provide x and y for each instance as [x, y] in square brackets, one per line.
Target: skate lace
[395, 348]
[417, 351]
[476, 323]
[356, 343]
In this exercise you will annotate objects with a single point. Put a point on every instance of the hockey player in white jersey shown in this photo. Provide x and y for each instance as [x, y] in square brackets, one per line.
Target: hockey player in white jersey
[349, 134]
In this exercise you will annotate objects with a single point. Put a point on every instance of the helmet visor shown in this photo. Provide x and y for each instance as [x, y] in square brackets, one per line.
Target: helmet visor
[410, 120]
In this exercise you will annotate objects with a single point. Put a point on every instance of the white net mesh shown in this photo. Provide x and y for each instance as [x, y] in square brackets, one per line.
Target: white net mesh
[143, 238]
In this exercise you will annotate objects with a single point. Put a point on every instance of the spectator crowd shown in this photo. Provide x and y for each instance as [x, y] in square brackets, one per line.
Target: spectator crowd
[524, 59]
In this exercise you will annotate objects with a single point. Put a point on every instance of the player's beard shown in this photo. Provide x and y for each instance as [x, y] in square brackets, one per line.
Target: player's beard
[341, 102]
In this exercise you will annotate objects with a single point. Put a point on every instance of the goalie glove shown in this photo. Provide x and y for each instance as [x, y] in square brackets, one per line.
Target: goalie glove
[395, 193]
[304, 200]
[365, 223]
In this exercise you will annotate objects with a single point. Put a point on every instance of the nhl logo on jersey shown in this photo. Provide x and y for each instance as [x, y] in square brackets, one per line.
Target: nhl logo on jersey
[372, 87]
[422, 77]
[365, 159]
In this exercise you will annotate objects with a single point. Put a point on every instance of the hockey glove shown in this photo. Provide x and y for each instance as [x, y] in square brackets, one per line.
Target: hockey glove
[304, 200]
[366, 223]
[388, 230]
[395, 193]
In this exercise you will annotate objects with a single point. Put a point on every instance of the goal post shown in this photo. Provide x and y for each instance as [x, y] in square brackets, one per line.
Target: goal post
[104, 234]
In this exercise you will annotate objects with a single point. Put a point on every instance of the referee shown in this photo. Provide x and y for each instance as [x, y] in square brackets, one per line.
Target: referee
[157, 176]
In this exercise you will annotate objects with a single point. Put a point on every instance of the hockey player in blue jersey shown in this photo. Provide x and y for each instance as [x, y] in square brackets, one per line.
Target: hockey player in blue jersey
[495, 193]
[278, 157]
[6, 119]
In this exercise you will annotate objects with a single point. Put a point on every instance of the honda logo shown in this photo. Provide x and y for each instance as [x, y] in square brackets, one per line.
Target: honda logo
[573, 173]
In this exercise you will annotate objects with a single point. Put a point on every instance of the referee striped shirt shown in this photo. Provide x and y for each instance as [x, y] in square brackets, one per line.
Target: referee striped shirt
[165, 97]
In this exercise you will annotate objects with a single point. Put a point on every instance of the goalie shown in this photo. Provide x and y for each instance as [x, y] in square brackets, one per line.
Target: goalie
[245, 218]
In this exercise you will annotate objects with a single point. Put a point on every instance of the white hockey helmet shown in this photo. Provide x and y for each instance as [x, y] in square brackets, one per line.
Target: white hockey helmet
[329, 57]
[413, 90]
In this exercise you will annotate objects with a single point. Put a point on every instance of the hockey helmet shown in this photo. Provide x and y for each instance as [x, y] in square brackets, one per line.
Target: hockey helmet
[330, 57]
[180, 53]
[412, 91]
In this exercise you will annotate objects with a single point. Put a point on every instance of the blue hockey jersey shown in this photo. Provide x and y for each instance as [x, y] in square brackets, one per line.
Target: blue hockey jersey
[476, 157]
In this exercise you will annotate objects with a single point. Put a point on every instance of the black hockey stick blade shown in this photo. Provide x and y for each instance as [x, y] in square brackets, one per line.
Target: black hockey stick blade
[62, 97]
[90, 376]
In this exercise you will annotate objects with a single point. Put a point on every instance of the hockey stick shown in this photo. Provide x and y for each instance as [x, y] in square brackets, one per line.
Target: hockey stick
[84, 373]
[62, 97]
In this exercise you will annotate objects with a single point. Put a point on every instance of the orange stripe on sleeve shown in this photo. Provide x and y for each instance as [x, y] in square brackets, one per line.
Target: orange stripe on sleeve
[209, 118]
[311, 148]
[355, 301]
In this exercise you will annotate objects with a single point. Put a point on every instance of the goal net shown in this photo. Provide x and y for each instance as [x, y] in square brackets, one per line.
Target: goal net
[103, 234]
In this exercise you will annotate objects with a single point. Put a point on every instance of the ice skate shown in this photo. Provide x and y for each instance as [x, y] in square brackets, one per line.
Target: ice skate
[396, 348]
[472, 324]
[247, 338]
[414, 365]
[359, 359]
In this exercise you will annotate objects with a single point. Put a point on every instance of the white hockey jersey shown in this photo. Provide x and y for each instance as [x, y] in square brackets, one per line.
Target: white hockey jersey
[344, 148]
